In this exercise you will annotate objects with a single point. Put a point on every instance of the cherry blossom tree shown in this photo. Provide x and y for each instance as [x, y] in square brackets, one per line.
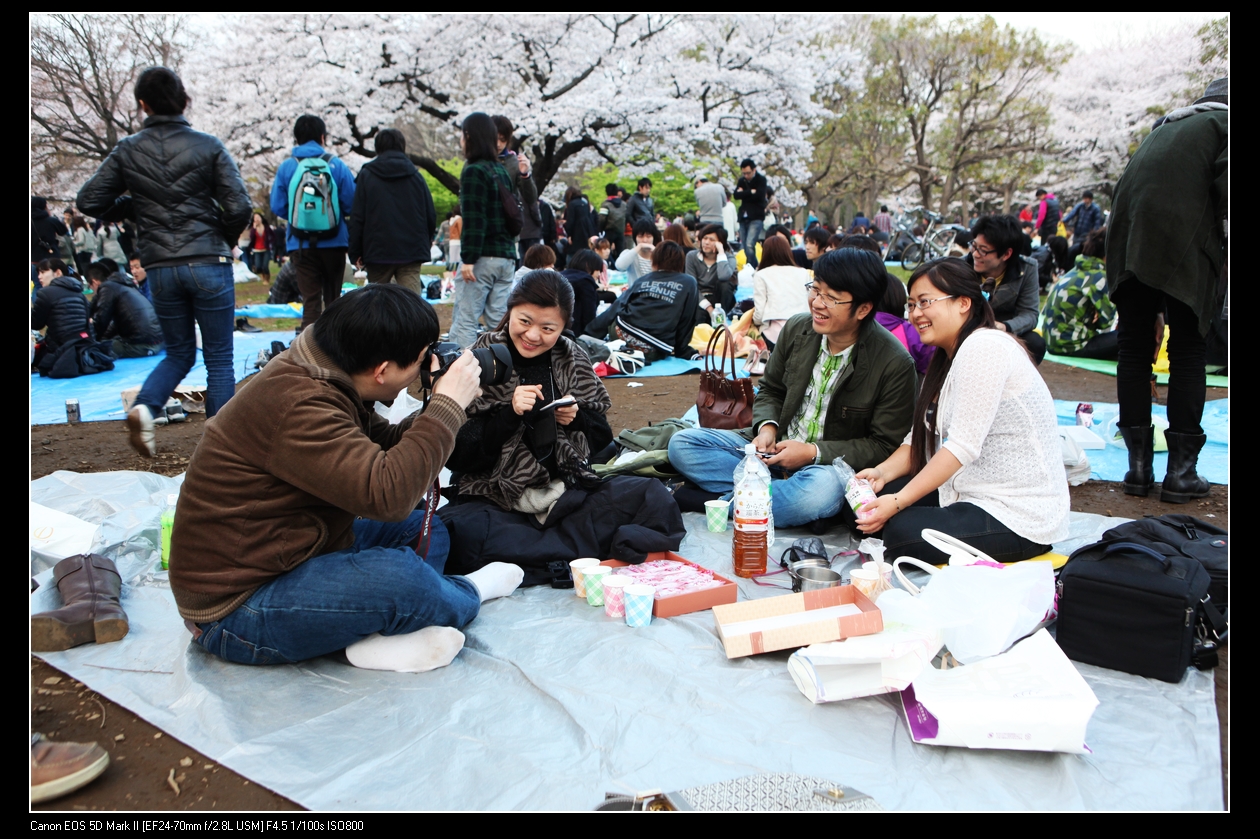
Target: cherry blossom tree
[635, 89]
[1107, 100]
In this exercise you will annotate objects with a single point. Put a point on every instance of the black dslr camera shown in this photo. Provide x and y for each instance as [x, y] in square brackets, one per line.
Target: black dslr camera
[495, 361]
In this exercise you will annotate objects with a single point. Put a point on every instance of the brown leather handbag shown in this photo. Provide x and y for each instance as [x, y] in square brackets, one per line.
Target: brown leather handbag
[723, 402]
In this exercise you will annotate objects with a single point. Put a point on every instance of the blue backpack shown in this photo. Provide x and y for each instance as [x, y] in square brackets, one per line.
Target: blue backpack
[314, 206]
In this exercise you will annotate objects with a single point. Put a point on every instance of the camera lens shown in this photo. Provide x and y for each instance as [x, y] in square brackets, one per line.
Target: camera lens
[496, 364]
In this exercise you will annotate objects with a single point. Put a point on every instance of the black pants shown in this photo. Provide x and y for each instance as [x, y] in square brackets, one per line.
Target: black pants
[1104, 345]
[1035, 343]
[902, 534]
[1138, 306]
[319, 275]
[723, 297]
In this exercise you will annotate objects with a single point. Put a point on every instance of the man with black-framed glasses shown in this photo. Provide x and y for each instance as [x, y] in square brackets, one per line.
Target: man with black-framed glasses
[837, 385]
[1009, 279]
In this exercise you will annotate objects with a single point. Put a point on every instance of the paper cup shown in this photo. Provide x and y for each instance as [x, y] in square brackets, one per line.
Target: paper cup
[639, 600]
[575, 568]
[865, 579]
[595, 576]
[614, 595]
[716, 514]
[884, 569]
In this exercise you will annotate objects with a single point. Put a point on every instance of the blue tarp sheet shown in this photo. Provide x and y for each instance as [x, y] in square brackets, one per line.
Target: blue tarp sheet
[100, 395]
[270, 310]
[1111, 463]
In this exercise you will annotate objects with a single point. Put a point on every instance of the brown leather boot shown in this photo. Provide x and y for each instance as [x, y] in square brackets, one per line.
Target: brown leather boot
[90, 587]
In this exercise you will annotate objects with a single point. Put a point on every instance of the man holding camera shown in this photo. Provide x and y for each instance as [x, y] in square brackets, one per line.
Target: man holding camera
[297, 530]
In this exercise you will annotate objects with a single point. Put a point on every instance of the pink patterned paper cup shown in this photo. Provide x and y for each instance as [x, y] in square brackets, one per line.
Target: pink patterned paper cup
[575, 568]
[614, 595]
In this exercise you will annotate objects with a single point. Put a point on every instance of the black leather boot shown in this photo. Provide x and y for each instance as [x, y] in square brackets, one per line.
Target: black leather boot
[1182, 483]
[1140, 442]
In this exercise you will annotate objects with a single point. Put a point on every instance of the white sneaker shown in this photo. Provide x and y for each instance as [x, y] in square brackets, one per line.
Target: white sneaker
[140, 425]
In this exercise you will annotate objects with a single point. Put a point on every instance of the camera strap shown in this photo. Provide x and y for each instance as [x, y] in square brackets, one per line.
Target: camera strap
[430, 507]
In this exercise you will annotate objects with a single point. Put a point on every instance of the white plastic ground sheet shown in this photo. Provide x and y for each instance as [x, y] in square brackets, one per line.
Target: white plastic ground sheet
[551, 704]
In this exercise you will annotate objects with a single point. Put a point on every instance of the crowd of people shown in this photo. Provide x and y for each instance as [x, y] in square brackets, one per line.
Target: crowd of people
[306, 522]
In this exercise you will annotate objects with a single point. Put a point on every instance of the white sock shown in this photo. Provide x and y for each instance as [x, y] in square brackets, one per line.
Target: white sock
[415, 652]
[498, 579]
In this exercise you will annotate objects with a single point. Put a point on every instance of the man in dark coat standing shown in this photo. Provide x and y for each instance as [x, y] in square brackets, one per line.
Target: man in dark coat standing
[1165, 253]
[393, 220]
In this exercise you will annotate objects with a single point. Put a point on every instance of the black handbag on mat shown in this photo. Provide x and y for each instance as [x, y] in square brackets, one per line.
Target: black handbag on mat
[1141, 599]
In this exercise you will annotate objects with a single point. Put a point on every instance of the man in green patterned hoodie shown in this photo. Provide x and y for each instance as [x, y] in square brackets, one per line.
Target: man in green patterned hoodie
[1080, 319]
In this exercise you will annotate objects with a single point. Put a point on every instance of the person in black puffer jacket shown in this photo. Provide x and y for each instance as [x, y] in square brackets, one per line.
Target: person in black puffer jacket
[120, 314]
[46, 231]
[60, 306]
[189, 203]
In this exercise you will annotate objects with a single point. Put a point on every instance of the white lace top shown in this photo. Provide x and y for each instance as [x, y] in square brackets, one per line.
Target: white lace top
[995, 415]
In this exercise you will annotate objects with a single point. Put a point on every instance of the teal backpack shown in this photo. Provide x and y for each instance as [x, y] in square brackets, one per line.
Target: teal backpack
[314, 206]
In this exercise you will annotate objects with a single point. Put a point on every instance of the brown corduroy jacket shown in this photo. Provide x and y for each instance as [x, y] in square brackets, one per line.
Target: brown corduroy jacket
[282, 471]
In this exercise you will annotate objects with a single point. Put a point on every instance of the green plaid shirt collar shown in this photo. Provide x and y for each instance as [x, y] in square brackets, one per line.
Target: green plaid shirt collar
[807, 425]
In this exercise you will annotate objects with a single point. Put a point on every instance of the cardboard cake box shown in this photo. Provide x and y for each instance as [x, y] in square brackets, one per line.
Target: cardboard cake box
[681, 604]
[796, 620]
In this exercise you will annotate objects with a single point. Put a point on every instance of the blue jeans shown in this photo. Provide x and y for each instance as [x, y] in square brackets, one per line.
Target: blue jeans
[184, 294]
[330, 601]
[487, 295]
[708, 457]
[749, 234]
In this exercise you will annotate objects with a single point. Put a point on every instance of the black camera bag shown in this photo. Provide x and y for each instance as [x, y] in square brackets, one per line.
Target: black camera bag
[1140, 600]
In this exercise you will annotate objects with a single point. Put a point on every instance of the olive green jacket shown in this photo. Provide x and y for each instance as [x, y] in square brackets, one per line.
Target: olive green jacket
[871, 411]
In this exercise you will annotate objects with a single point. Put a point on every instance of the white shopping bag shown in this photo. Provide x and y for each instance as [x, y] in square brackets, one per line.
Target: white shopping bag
[864, 665]
[1030, 698]
[404, 406]
[56, 535]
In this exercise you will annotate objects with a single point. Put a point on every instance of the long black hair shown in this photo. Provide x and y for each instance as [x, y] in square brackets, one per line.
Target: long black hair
[481, 138]
[953, 277]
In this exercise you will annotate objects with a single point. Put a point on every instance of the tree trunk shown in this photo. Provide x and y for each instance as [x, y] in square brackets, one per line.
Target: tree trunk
[443, 177]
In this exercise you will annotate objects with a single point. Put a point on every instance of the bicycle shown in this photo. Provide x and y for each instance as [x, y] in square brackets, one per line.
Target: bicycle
[933, 244]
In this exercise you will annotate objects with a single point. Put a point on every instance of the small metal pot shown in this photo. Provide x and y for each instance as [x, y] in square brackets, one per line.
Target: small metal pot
[794, 569]
[814, 578]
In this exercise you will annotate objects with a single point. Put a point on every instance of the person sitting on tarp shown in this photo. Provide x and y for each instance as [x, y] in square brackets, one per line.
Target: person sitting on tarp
[656, 314]
[121, 315]
[1009, 280]
[1079, 317]
[61, 307]
[304, 524]
[837, 385]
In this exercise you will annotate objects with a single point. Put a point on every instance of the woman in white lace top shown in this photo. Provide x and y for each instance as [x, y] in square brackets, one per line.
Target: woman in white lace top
[982, 461]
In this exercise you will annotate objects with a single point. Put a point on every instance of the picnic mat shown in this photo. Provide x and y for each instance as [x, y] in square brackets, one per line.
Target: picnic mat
[100, 395]
[672, 366]
[270, 310]
[1111, 463]
[1098, 365]
[551, 704]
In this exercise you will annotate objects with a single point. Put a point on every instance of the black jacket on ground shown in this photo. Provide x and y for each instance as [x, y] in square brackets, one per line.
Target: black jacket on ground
[392, 221]
[45, 232]
[187, 197]
[119, 310]
[624, 518]
[62, 308]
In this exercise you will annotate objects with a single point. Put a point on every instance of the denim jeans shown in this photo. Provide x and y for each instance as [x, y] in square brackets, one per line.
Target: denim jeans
[487, 295]
[749, 234]
[708, 457]
[183, 295]
[330, 601]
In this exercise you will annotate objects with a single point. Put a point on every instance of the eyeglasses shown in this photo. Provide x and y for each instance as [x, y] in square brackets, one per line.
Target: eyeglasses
[926, 304]
[829, 302]
[979, 251]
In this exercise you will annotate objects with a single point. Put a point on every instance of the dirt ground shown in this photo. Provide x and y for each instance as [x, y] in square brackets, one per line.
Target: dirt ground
[145, 760]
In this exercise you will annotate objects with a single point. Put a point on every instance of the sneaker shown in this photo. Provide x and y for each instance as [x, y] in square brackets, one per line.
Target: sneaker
[140, 425]
[243, 325]
[61, 768]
